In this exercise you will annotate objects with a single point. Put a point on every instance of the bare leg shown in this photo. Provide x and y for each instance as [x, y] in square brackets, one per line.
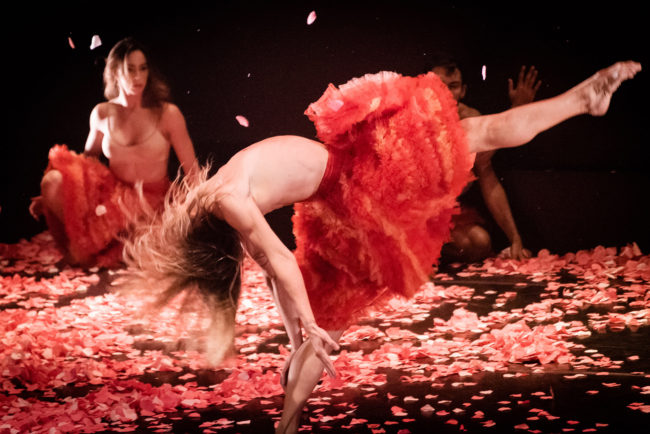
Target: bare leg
[468, 244]
[51, 190]
[52, 208]
[519, 125]
[304, 373]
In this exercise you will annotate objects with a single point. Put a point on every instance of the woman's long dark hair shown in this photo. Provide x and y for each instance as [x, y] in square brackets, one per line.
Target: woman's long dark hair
[187, 250]
[156, 92]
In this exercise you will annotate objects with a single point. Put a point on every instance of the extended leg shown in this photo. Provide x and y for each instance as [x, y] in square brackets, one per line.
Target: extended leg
[519, 125]
[304, 373]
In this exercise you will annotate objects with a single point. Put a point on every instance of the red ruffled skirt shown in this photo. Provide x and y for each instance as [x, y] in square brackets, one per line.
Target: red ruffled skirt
[96, 205]
[398, 160]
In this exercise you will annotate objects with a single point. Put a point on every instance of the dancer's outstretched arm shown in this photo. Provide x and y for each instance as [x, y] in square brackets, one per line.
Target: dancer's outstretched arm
[279, 263]
[519, 125]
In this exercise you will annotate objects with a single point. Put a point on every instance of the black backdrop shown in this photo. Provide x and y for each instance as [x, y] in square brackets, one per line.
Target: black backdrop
[580, 184]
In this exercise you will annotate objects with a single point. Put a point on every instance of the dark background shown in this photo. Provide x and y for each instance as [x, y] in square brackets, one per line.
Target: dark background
[578, 185]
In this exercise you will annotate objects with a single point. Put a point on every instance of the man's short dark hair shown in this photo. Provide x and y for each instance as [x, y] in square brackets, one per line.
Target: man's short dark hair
[444, 60]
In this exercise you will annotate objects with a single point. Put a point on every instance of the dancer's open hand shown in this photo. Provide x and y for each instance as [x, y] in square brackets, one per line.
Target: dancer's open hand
[323, 344]
[36, 207]
[518, 252]
[526, 88]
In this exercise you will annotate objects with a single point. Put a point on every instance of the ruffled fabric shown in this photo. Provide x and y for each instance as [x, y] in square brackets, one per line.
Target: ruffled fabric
[96, 205]
[398, 160]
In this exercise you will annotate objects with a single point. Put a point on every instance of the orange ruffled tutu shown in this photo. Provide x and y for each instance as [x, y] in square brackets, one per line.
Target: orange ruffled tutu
[398, 160]
[95, 207]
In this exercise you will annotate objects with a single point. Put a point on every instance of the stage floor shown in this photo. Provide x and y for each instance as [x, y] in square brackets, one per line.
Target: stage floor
[550, 345]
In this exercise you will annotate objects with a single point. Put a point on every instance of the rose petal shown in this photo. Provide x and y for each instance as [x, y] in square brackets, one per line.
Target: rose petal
[242, 120]
[95, 42]
[311, 18]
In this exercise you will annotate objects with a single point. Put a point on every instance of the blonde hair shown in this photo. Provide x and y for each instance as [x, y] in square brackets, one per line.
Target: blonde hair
[187, 250]
[156, 92]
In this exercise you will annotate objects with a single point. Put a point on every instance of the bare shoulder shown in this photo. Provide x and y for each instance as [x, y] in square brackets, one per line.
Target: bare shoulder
[231, 180]
[100, 113]
[171, 112]
[238, 209]
[171, 119]
[465, 111]
[101, 110]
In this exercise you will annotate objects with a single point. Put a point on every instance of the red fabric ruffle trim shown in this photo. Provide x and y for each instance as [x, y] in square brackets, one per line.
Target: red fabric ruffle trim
[402, 160]
[96, 205]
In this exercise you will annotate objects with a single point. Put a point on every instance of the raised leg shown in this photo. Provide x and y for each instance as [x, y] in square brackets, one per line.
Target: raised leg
[519, 125]
[303, 375]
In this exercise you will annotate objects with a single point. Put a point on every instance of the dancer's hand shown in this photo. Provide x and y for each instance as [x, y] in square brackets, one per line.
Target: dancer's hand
[526, 89]
[36, 207]
[323, 344]
[518, 252]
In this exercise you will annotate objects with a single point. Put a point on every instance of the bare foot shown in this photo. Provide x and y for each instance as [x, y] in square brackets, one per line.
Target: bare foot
[598, 89]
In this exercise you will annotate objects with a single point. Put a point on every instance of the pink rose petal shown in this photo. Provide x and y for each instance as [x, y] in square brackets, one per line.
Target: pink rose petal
[311, 18]
[242, 120]
[95, 42]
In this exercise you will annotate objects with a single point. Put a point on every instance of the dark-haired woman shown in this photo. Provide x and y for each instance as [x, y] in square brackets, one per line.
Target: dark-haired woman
[85, 202]
[372, 208]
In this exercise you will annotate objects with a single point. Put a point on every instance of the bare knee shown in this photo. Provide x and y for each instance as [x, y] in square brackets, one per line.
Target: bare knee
[51, 183]
[51, 190]
[481, 242]
[471, 244]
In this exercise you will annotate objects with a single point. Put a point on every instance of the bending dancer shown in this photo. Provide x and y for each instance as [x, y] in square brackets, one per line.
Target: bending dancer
[372, 209]
[82, 200]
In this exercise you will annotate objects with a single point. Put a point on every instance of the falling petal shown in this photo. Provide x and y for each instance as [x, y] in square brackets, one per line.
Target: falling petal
[100, 210]
[484, 72]
[95, 42]
[311, 18]
[70, 42]
[242, 120]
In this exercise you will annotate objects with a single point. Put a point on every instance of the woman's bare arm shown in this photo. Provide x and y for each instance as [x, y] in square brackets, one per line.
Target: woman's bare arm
[280, 264]
[173, 124]
[94, 141]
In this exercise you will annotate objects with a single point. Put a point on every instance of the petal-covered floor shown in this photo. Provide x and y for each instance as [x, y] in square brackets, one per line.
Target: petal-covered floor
[550, 345]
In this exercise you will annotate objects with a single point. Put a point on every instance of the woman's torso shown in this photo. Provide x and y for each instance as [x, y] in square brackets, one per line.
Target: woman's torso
[135, 144]
[275, 172]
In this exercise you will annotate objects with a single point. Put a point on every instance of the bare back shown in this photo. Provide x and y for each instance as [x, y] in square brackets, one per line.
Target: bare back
[274, 172]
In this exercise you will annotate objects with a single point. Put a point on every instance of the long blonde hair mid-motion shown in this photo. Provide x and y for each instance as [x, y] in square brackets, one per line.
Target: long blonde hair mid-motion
[187, 251]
